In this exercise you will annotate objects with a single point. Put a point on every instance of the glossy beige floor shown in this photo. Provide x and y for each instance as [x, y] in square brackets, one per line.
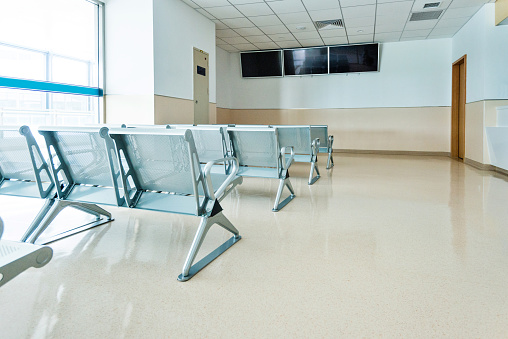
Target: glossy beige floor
[381, 246]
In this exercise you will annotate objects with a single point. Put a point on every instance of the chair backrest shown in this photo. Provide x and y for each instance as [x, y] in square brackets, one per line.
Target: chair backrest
[321, 132]
[21, 160]
[82, 156]
[252, 126]
[1, 228]
[210, 141]
[179, 126]
[296, 136]
[161, 160]
[257, 147]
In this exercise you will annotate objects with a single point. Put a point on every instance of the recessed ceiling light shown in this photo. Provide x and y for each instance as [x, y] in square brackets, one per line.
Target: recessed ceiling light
[301, 28]
[360, 31]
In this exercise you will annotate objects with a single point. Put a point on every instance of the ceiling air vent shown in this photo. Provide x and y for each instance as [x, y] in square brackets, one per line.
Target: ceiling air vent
[430, 15]
[432, 5]
[329, 24]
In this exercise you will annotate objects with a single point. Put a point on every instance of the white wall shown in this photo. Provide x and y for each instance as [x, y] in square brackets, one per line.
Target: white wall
[486, 46]
[412, 74]
[223, 78]
[129, 47]
[177, 29]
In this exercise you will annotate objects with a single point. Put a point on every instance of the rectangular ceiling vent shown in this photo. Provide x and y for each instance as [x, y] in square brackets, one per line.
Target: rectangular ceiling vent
[430, 15]
[432, 5]
[326, 24]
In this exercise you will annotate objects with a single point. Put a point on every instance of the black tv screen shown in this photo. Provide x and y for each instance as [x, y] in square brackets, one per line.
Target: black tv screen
[354, 58]
[261, 64]
[305, 61]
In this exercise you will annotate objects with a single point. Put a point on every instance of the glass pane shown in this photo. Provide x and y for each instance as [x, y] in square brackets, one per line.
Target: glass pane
[70, 71]
[65, 28]
[22, 63]
[18, 107]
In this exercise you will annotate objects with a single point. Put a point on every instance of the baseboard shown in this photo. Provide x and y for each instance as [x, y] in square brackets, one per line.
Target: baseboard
[390, 152]
[479, 165]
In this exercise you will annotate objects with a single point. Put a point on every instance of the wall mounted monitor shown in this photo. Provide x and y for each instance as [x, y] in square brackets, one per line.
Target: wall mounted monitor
[354, 58]
[306, 61]
[261, 64]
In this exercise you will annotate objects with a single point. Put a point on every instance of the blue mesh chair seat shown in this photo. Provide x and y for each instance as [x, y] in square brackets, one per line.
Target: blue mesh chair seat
[259, 155]
[25, 173]
[325, 141]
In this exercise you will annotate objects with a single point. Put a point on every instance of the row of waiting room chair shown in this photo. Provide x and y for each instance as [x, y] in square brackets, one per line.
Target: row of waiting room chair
[145, 168]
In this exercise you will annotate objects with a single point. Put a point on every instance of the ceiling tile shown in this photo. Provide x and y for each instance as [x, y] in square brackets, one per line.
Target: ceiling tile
[288, 44]
[360, 30]
[224, 12]
[456, 22]
[220, 25]
[423, 24]
[387, 37]
[332, 33]
[205, 13]
[467, 3]
[309, 26]
[238, 22]
[219, 41]
[248, 31]
[419, 5]
[391, 19]
[255, 9]
[258, 39]
[307, 35]
[452, 13]
[191, 3]
[390, 28]
[293, 18]
[359, 11]
[325, 14]
[226, 33]
[315, 5]
[267, 45]
[311, 42]
[235, 40]
[274, 29]
[265, 20]
[357, 39]
[282, 37]
[335, 41]
[358, 22]
[417, 33]
[394, 8]
[350, 3]
[439, 36]
[246, 47]
[384, 1]
[444, 30]
[281, 7]
[211, 3]
[229, 48]
[241, 2]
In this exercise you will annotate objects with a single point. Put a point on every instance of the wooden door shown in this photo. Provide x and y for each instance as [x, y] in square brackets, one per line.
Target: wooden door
[458, 135]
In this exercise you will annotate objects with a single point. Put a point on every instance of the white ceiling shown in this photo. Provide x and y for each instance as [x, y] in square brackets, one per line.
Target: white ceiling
[244, 25]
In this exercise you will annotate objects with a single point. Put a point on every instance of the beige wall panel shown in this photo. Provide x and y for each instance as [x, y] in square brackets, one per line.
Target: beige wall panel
[223, 115]
[425, 129]
[129, 109]
[490, 121]
[173, 111]
[474, 131]
[212, 113]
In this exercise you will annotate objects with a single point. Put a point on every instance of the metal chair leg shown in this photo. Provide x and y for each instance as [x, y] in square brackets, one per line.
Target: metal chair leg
[190, 270]
[284, 182]
[313, 167]
[56, 207]
[330, 163]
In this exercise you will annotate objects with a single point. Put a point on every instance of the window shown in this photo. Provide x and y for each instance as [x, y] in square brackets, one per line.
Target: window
[50, 62]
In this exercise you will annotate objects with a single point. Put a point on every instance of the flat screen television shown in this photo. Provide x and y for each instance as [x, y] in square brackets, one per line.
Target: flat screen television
[261, 64]
[306, 61]
[354, 58]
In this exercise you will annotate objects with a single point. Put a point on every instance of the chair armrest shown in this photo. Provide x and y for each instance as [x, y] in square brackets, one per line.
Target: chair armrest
[288, 162]
[226, 183]
[1, 228]
[315, 147]
[330, 142]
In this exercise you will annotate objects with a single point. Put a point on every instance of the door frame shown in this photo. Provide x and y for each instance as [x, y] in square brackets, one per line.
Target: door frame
[457, 88]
